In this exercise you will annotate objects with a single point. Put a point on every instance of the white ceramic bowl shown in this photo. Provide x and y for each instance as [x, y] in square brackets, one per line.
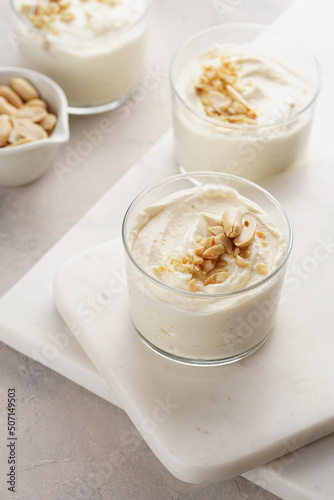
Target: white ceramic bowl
[23, 164]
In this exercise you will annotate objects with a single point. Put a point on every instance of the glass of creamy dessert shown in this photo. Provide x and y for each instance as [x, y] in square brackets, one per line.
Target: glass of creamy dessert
[206, 255]
[243, 101]
[94, 49]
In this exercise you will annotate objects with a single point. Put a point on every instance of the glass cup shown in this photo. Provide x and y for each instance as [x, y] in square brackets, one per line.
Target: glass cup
[203, 328]
[252, 151]
[96, 74]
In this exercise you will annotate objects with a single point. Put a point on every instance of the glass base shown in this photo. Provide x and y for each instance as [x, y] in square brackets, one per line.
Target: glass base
[202, 362]
[94, 110]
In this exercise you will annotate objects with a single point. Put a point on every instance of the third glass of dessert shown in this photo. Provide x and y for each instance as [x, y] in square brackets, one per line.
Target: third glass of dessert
[94, 49]
[206, 255]
[243, 101]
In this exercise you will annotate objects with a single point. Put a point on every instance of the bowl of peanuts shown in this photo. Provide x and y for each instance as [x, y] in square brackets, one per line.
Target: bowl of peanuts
[33, 124]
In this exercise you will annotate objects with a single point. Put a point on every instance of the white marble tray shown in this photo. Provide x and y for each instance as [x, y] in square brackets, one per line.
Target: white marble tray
[300, 475]
[208, 424]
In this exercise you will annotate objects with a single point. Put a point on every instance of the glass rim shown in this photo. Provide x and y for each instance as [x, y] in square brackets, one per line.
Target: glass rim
[57, 38]
[235, 126]
[198, 295]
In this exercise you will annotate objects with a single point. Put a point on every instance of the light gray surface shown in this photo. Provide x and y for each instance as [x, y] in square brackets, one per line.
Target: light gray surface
[73, 445]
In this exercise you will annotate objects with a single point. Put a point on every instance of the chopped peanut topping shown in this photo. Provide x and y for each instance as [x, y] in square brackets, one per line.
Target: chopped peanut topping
[212, 254]
[199, 251]
[219, 90]
[221, 263]
[262, 268]
[46, 12]
[208, 265]
[216, 230]
[216, 278]
[160, 269]
[241, 262]
[192, 286]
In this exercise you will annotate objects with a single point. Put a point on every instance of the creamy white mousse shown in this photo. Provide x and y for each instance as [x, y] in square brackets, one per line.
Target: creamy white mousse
[163, 241]
[93, 49]
[266, 137]
[170, 230]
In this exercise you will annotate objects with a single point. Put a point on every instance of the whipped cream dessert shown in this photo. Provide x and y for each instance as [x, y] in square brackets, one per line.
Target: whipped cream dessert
[208, 240]
[93, 48]
[238, 112]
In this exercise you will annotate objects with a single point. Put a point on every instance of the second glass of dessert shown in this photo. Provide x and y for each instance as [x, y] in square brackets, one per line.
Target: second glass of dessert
[206, 255]
[243, 101]
[94, 49]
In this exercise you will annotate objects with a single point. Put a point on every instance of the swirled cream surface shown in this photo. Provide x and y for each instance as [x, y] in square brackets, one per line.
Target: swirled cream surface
[239, 110]
[271, 89]
[182, 241]
[93, 49]
[81, 19]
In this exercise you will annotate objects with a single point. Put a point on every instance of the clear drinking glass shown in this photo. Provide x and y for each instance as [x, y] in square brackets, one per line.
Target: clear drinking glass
[253, 151]
[203, 328]
[96, 74]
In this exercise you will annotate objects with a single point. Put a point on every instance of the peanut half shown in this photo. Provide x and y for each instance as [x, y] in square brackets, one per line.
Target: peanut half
[5, 129]
[226, 243]
[232, 222]
[27, 128]
[214, 252]
[24, 117]
[219, 277]
[32, 113]
[24, 88]
[246, 235]
[218, 101]
[11, 96]
[6, 108]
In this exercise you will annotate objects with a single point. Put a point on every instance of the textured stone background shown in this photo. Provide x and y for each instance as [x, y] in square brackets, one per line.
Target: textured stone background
[73, 445]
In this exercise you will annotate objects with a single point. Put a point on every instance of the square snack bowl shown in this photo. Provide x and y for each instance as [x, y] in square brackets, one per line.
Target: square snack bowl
[25, 163]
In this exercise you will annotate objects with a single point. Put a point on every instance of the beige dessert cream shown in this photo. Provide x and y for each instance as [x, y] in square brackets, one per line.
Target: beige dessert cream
[93, 48]
[238, 111]
[205, 245]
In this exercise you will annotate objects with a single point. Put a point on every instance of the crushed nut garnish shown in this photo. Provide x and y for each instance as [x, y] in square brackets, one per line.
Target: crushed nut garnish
[212, 254]
[261, 235]
[112, 3]
[199, 251]
[221, 263]
[220, 93]
[67, 17]
[216, 230]
[246, 234]
[159, 269]
[241, 262]
[219, 277]
[192, 286]
[208, 265]
[46, 12]
[262, 268]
